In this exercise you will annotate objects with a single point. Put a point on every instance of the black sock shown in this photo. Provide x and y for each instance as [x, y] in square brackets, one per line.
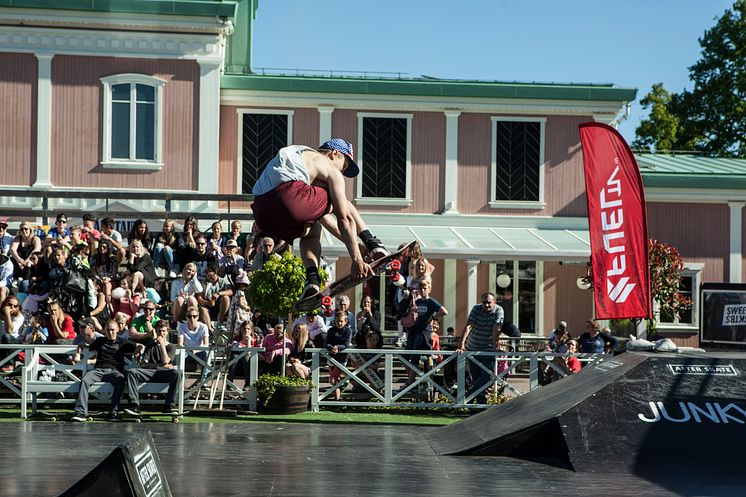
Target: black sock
[365, 236]
[312, 275]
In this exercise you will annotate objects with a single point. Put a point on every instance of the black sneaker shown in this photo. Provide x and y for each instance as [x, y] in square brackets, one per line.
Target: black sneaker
[376, 250]
[79, 419]
[132, 411]
[170, 410]
[310, 290]
[113, 417]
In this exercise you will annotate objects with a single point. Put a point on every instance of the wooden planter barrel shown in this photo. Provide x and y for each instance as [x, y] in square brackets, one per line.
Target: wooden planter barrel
[288, 400]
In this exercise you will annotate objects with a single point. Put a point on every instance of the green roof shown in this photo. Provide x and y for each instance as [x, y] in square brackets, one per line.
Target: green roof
[429, 87]
[208, 8]
[691, 171]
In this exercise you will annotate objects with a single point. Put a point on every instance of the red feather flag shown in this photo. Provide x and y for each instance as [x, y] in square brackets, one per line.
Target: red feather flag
[618, 224]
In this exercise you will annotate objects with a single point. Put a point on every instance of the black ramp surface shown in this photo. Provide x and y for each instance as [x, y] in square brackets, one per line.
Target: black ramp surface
[484, 432]
[643, 413]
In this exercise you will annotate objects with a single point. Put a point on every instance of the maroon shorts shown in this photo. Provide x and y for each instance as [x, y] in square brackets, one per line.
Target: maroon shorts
[288, 209]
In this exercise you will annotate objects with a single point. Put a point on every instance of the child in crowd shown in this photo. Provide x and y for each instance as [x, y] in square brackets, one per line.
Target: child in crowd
[338, 338]
[573, 363]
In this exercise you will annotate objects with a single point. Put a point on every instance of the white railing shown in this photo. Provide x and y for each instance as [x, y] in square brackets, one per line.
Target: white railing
[216, 366]
[380, 375]
[48, 369]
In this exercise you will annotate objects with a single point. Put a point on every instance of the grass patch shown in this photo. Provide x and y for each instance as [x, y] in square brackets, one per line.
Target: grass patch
[381, 416]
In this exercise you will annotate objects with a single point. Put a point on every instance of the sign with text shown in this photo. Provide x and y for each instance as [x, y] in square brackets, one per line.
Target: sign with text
[723, 314]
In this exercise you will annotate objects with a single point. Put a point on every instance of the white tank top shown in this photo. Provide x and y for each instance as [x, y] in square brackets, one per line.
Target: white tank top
[286, 166]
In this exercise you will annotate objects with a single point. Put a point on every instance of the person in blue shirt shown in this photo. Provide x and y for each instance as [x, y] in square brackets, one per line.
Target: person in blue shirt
[419, 334]
[595, 341]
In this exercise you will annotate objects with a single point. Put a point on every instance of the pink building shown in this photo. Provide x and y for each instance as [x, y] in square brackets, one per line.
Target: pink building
[486, 175]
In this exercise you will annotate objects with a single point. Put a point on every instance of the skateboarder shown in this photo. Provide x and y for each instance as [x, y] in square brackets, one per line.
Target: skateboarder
[301, 190]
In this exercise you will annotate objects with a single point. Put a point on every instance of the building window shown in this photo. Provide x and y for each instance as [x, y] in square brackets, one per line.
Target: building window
[689, 287]
[385, 159]
[516, 289]
[517, 178]
[262, 133]
[133, 121]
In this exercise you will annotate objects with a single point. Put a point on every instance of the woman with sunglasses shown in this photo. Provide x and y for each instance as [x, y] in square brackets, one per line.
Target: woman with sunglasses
[184, 291]
[11, 326]
[25, 244]
[193, 333]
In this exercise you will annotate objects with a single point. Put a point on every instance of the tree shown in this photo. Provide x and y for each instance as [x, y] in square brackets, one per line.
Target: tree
[278, 285]
[663, 130]
[711, 118]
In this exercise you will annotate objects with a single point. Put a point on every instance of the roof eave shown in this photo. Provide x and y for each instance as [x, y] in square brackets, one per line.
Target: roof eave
[438, 88]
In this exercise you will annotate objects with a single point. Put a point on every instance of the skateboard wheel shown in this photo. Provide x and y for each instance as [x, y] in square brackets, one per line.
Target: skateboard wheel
[326, 301]
[395, 265]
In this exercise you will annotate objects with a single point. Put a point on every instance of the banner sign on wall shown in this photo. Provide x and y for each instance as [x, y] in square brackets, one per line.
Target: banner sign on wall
[618, 224]
[723, 316]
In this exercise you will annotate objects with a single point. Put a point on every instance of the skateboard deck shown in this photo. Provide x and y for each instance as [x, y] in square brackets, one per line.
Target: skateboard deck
[343, 284]
[175, 417]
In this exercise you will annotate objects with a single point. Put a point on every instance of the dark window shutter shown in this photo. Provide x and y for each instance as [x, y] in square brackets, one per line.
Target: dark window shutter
[263, 136]
[384, 157]
[518, 156]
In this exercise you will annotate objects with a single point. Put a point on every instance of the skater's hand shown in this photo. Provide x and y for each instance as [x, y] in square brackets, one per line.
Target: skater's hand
[360, 270]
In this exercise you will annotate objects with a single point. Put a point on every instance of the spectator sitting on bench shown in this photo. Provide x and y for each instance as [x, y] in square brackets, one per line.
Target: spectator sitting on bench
[108, 368]
[142, 328]
[192, 333]
[215, 299]
[87, 334]
[59, 324]
[156, 366]
[184, 291]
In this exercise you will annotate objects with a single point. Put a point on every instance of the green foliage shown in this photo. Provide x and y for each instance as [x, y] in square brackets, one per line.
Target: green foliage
[278, 285]
[664, 129]
[711, 118]
[266, 385]
[666, 268]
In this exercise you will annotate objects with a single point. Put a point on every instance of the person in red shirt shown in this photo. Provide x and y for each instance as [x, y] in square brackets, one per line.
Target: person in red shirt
[573, 363]
[60, 325]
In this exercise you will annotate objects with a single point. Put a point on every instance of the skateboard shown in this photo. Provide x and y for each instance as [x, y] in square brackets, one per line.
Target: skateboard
[175, 416]
[41, 415]
[391, 265]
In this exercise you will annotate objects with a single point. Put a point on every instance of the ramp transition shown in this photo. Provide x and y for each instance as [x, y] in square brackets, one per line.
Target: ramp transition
[635, 412]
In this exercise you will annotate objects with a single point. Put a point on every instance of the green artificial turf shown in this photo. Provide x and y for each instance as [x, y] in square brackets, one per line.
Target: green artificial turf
[416, 417]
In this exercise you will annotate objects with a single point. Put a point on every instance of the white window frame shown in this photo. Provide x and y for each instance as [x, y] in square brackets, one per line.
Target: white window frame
[107, 162]
[239, 140]
[693, 270]
[385, 201]
[516, 204]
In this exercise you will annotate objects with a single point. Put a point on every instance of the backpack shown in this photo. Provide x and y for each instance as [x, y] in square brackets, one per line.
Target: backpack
[407, 312]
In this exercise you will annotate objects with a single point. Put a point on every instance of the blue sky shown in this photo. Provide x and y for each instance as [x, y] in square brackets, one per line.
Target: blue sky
[631, 44]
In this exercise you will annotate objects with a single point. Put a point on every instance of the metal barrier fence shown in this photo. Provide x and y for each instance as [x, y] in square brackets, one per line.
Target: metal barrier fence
[442, 382]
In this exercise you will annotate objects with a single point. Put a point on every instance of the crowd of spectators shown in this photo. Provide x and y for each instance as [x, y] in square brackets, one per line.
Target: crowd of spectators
[65, 285]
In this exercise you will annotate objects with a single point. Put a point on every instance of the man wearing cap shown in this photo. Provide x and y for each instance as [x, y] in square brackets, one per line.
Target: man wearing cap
[296, 194]
[230, 262]
[59, 235]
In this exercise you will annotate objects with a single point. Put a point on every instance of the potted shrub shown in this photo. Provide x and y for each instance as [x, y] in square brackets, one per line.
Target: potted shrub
[283, 394]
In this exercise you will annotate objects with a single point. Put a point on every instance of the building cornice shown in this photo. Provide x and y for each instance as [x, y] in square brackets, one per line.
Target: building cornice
[111, 44]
